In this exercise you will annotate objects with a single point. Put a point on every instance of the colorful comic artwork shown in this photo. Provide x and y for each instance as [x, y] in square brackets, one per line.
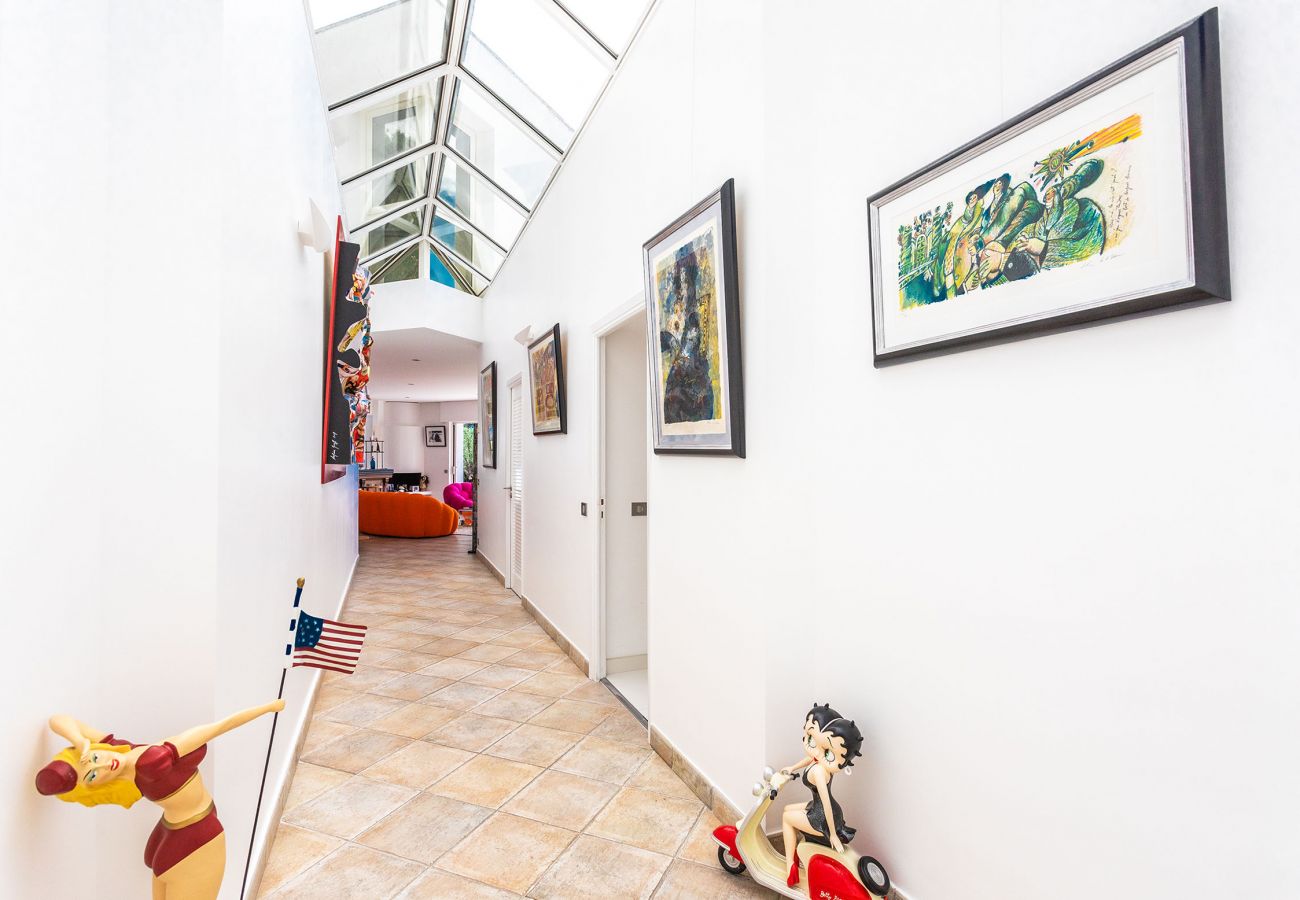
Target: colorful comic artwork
[1073, 204]
[355, 380]
[686, 307]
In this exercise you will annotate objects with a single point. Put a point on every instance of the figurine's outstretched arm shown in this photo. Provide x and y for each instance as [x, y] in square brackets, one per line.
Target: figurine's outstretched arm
[194, 738]
[77, 733]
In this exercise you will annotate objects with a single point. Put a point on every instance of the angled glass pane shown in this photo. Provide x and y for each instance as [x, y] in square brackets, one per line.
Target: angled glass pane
[497, 146]
[404, 268]
[613, 21]
[390, 233]
[527, 53]
[470, 196]
[361, 44]
[370, 198]
[373, 131]
[446, 270]
[473, 249]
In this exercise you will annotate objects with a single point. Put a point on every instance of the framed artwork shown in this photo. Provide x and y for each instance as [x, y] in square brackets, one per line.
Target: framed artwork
[1104, 200]
[487, 414]
[546, 383]
[347, 359]
[693, 316]
[435, 435]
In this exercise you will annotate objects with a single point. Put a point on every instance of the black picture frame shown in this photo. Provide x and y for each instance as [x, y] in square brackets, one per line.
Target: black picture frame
[1206, 190]
[487, 416]
[552, 337]
[730, 442]
[435, 435]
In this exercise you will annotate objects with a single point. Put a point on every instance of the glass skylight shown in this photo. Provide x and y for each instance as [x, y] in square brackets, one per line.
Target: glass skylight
[449, 118]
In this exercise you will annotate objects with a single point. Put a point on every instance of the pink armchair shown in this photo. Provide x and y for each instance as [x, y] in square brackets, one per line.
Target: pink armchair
[459, 495]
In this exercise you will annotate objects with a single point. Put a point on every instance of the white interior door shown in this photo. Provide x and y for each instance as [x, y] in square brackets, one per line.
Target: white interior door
[516, 487]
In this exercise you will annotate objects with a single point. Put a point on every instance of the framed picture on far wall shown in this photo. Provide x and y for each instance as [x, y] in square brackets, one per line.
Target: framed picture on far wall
[487, 415]
[693, 312]
[1104, 200]
[546, 383]
[435, 435]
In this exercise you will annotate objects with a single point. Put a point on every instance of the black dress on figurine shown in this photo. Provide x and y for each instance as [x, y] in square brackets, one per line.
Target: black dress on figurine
[817, 815]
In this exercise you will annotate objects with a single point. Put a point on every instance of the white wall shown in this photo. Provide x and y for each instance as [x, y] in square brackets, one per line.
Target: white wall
[401, 426]
[150, 553]
[1053, 580]
[626, 447]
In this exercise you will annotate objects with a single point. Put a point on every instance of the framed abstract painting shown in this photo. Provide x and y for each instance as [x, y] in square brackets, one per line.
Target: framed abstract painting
[693, 316]
[487, 415]
[546, 383]
[1104, 200]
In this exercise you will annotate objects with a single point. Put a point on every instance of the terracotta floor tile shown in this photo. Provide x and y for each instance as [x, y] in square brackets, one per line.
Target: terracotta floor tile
[480, 633]
[699, 846]
[655, 776]
[572, 715]
[332, 695]
[411, 687]
[534, 745]
[414, 720]
[603, 760]
[356, 751]
[363, 708]
[514, 706]
[556, 798]
[454, 668]
[498, 676]
[566, 667]
[518, 639]
[412, 661]
[471, 732]
[321, 732]
[489, 653]
[425, 828]
[461, 696]
[397, 640]
[593, 692]
[690, 881]
[649, 821]
[550, 684]
[436, 885]
[623, 726]
[293, 852]
[535, 658]
[486, 781]
[417, 765]
[350, 808]
[365, 677]
[449, 646]
[507, 852]
[592, 869]
[352, 872]
[311, 781]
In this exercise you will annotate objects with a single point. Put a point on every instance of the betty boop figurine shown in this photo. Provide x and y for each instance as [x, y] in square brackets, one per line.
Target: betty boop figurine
[830, 744]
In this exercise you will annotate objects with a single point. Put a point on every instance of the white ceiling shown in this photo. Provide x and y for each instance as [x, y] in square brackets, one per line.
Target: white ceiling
[447, 366]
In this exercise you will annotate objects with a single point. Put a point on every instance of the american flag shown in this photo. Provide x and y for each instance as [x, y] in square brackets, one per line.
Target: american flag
[323, 644]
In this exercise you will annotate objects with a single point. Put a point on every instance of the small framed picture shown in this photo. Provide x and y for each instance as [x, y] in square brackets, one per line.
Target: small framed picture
[693, 312]
[435, 435]
[487, 414]
[1105, 200]
[546, 381]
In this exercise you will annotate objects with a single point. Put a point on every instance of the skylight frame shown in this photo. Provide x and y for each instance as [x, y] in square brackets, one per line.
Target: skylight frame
[448, 75]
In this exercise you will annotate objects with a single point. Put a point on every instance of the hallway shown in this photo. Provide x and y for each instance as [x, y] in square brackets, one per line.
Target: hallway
[469, 757]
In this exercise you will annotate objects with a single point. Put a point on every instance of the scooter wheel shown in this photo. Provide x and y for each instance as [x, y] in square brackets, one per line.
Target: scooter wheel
[873, 875]
[729, 862]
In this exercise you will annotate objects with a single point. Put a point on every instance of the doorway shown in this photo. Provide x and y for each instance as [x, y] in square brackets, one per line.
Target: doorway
[515, 486]
[623, 417]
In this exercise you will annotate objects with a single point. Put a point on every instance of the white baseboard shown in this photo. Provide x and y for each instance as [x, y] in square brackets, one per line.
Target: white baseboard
[616, 664]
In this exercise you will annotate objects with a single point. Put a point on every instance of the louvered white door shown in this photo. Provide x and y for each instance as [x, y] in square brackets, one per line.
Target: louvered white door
[517, 488]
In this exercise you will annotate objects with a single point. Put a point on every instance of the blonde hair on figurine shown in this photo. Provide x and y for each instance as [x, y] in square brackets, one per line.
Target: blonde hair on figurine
[119, 791]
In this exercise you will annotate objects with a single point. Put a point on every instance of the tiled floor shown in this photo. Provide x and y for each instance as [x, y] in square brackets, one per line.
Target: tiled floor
[468, 757]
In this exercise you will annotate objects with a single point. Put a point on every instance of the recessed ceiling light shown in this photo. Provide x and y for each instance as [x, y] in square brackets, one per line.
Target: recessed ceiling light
[413, 359]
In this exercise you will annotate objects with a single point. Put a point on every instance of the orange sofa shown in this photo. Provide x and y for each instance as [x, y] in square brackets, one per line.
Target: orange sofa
[397, 514]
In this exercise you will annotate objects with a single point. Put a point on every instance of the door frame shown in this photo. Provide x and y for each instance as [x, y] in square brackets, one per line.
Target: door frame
[516, 382]
[611, 321]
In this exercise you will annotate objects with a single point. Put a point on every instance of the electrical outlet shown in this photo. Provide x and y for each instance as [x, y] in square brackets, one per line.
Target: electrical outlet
[584, 508]
[638, 507]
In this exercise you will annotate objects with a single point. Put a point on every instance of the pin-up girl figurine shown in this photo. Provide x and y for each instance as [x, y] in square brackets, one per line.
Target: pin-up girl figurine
[187, 849]
[830, 744]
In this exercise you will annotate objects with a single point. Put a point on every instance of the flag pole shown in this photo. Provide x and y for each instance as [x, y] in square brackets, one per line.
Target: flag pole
[275, 720]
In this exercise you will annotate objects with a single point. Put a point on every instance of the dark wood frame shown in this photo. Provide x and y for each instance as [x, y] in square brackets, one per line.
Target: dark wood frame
[1208, 197]
[430, 431]
[560, 399]
[486, 459]
[725, 197]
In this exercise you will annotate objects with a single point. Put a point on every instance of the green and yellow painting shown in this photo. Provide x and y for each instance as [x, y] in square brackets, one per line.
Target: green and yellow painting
[1073, 204]
[686, 301]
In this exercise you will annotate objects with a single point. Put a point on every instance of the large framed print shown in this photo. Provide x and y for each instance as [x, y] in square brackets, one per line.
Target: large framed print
[347, 360]
[487, 415]
[1106, 199]
[546, 383]
[693, 316]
